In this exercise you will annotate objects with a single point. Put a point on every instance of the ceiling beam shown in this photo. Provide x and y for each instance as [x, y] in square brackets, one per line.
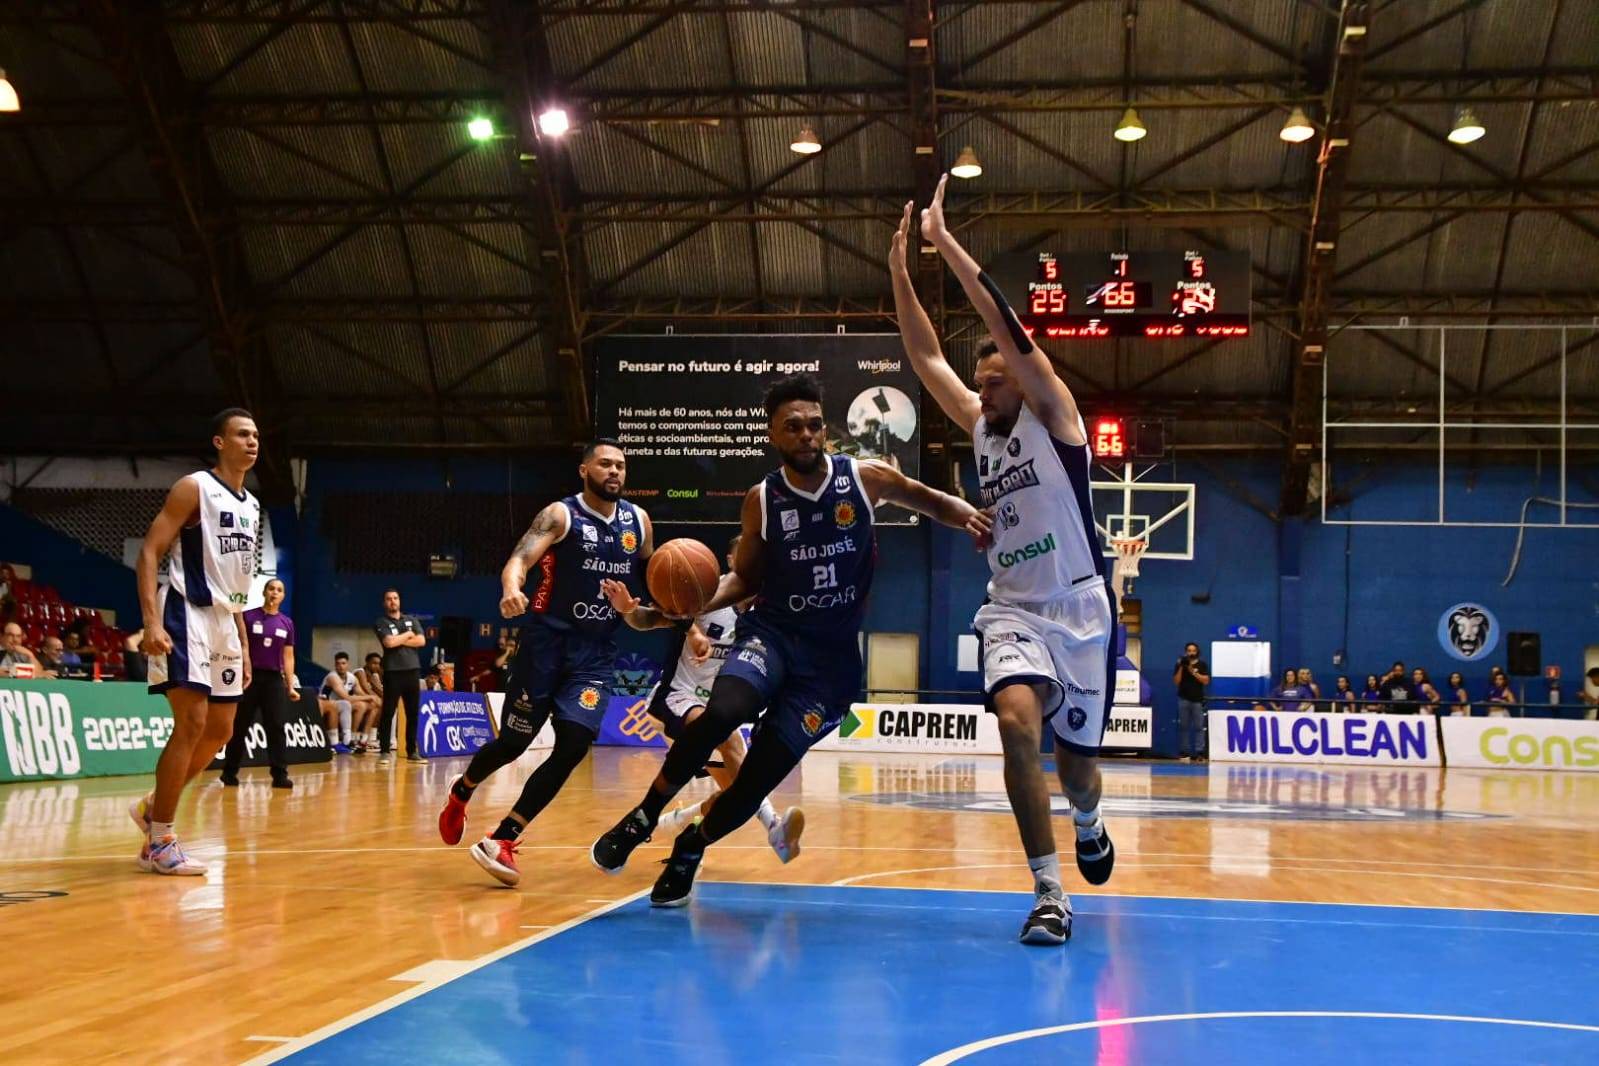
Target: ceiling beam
[1348, 48]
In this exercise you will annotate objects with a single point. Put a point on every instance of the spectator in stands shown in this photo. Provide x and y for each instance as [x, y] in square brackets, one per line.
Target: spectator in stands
[1191, 676]
[76, 652]
[1423, 690]
[434, 681]
[1499, 694]
[1593, 680]
[1397, 691]
[1313, 690]
[1371, 696]
[1459, 700]
[13, 653]
[370, 681]
[1288, 695]
[52, 655]
[1343, 698]
[134, 663]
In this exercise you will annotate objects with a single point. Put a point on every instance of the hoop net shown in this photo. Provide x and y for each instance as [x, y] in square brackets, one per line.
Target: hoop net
[1129, 550]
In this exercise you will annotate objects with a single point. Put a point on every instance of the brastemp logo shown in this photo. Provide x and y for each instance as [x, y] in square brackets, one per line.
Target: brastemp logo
[1035, 550]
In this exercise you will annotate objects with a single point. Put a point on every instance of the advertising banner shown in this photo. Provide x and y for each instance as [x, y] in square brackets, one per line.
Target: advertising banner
[304, 739]
[1522, 743]
[1130, 727]
[1347, 739]
[688, 411]
[941, 728]
[79, 729]
[627, 722]
[452, 723]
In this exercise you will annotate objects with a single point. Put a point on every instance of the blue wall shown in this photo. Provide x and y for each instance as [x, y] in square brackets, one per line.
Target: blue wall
[82, 575]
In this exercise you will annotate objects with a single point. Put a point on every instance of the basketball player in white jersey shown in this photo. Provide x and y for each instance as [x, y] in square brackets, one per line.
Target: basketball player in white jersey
[677, 703]
[1046, 628]
[194, 625]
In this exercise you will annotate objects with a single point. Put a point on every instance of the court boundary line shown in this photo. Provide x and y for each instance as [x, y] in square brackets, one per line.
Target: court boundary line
[955, 1054]
[1145, 895]
[422, 988]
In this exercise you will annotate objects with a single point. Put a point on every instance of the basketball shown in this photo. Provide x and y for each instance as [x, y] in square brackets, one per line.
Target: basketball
[682, 576]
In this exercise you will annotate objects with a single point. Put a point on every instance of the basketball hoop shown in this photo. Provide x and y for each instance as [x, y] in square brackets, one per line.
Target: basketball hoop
[1129, 550]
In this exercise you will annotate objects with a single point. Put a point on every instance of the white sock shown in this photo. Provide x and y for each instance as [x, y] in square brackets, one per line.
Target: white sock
[767, 813]
[159, 831]
[344, 720]
[1087, 823]
[1046, 872]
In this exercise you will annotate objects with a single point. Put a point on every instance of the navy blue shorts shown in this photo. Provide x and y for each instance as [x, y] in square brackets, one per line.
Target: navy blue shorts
[808, 681]
[570, 669]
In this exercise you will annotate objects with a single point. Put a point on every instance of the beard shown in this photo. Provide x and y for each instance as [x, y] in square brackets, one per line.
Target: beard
[603, 491]
[802, 464]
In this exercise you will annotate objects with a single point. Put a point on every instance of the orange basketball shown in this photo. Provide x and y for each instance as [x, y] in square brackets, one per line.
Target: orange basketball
[682, 576]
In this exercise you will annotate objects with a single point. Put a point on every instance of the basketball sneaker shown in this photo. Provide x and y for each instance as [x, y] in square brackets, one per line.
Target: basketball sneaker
[166, 856]
[452, 819]
[1096, 855]
[358, 748]
[674, 822]
[610, 851]
[1051, 919]
[785, 835]
[139, 811]
[498, 857]
[341, 749]
[385, 759]
[675, 886]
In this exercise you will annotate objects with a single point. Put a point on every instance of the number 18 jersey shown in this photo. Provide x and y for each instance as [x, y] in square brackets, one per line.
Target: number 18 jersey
[820, 552]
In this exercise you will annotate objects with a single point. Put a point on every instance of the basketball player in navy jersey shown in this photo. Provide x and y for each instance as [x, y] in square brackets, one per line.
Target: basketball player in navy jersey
[194, 625]
[1047, 624]
[585, 553]
[807, 552]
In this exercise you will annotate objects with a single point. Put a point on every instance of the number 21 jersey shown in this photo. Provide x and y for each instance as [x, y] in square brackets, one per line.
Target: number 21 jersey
[820, 552]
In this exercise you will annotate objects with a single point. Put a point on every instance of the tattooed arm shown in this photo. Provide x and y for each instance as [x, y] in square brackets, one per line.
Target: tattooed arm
[548, 529]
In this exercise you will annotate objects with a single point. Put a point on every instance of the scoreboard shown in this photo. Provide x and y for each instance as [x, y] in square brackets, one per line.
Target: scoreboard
[1129, 294]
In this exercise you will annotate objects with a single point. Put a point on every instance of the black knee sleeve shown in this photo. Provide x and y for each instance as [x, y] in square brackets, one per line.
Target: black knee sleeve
[733, 702]
[518, 727]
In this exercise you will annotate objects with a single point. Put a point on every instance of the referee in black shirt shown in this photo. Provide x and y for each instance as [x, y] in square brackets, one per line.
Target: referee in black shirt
[400, 635]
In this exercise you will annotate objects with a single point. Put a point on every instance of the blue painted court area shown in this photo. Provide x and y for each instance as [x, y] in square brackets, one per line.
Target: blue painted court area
[805, 974]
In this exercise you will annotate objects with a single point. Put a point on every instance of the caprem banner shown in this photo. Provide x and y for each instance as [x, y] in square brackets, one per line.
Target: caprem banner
[1347, 739]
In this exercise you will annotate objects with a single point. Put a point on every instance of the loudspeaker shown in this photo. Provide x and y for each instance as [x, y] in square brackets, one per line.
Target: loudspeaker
[1524, 655]
[455, 637]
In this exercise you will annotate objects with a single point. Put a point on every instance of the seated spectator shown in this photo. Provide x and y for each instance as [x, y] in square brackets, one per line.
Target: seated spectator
[1582, 693]
[1459, 700]
[434, 681]
[134, 663]
[1423, 690]
[1397, 691]
[77, 650]
[66, 652]
[13, 653]
[1343, 698]
[347, 711]
[1371, 696]
[1313, 690]
[1288, 695]
[58, 662]
[372, 674]
[1499, 694]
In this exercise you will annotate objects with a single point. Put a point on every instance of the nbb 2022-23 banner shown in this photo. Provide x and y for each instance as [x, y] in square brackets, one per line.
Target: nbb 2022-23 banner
[688, 412]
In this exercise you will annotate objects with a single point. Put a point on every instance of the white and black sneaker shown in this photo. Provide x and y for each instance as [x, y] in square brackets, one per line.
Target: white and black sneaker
[609, 853]
[1050, 922]
[1096, 855]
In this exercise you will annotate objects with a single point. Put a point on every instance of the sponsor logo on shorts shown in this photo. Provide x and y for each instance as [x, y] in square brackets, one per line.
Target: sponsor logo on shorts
[844, 514]
[589, 698]
[811, 722]
[1007, 658]
[1077, 718]
[1037, 549]
[629, 541]
[228, 675]
[755, 657]
[1074, 690]
[518, 720]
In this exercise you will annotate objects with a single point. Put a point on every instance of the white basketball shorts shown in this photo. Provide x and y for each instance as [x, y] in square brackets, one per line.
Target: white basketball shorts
[1063, 644]
[205, 655]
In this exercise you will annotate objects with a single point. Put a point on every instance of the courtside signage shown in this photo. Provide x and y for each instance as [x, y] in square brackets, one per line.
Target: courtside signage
[1348, 739]
[1129, 727]
[79, 729]
[919, 727]
[452, 723]
[1522, 743]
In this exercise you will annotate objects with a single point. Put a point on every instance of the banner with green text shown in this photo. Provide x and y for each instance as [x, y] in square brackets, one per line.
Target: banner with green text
[79, 729]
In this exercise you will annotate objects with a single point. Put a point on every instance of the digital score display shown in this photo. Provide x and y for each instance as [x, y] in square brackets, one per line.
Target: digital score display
[1109, 438]
[1130, 294]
